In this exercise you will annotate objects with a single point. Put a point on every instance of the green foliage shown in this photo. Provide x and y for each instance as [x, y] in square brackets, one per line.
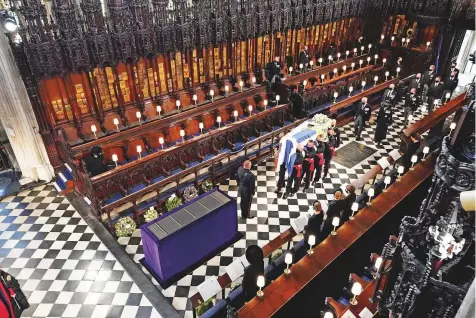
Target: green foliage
[173, 202]
[150, 215]
[203, 307]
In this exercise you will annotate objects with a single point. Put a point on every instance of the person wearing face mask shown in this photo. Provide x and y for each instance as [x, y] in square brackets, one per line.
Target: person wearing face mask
[95, 162]
[384, 120]
[450, 84]
[294, 169]
[389, 95]
[434, 92]
[362, 116]
[454, 69]
[429, 76]
[308, 163]
[416, 83]
[412, 101]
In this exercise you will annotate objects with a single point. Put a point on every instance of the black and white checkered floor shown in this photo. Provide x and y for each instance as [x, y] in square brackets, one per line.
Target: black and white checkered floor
[66, 271]
[61, 265]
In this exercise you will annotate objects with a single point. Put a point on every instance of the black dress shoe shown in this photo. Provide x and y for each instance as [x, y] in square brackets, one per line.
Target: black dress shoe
[277, 190]
[291, 195]
[250, 217]
[305, 189]
[285, 196]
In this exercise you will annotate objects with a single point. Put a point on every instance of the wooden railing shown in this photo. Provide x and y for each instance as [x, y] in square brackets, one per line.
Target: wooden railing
[281, 290]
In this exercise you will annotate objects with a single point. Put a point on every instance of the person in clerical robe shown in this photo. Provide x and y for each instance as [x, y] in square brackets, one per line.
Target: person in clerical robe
[384, 120]
[294, 169]
[254, 255]
[308, 163]
[314, 223]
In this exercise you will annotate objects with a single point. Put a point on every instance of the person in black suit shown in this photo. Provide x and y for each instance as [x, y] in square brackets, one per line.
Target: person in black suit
[304, 58]
[246, 190]
[429, 76]
[435, 91]
[412, 101]
[281, 179]
[318, 161]
[314, 223]
[335, 209]
[454, 69]
[450, 84]
[362, 116]
[273, 70]
[331, 51]
[95, 161]
[336, 129]
[384, 120]
[389, 95]
[416, 83]
[308, 163]
[296, 103]
[254, 255]
[294, 169]
[349, 200]
[401, 92]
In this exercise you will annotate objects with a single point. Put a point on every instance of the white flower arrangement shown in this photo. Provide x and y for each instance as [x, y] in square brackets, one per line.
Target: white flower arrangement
[150, 215]
[125, 226]
[320, 119]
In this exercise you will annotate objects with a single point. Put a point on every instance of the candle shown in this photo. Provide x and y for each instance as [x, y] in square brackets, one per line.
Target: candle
[311, 62]
[250, 109]
[354, 208]
[375, 79]
[408, 40]
[159, 109]
[182, 134]
[370, 193]
[335, 223]
[253, 80]
[139, 150]
[195, 97]
[368, 60]
[161, 142]
[387, 181]
[382, 37]
[452, 127]
[351, 88]
[387, 73]
[330, 57]
[403, 40]
[304, 83]
[427, 44]
[335, 72]
[200, 125]
[346, 53]
[355, 50]
[384, 61]
[212, 93]
[139, 117]
[338, 56]
[335, 96]
[392, 39]
[363, 85]
[235, 114]
[277, 99]
[226, 90]
[177, 103]
[241, 85]
[398, 70]
[361, 62]
[426, 150]
[219, 121]
[352, 65]
[362, 48]
[93, 129]
[320, 61]
[114, 158]
[413, 160]
[301, 66]
[116, 122]
[375, 58]
[323, 77]
[344, 68]
[369, 46]
[265, 103]
[290, 70]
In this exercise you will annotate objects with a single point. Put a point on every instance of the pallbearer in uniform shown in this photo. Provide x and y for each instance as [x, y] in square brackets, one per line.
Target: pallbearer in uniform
[336, 129]
[246, 190]
[308, 163]
[304, 58]
[318, 160]
[329, 150]
[294, 169]
[384, 120]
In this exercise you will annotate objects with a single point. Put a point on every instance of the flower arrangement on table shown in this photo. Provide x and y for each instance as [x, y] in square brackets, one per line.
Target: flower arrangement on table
[150, 215]
[207, 185]
[125, 226]
[173, 202]
[190, 193]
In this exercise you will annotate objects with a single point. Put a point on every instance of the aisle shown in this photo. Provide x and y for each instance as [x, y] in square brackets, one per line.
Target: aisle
[273, 214]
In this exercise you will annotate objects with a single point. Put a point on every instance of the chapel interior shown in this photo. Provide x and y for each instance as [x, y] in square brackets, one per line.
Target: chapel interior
[237, 158]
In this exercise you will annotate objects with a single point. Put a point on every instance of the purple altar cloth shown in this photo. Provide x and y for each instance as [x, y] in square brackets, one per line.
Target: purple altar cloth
[195, 241]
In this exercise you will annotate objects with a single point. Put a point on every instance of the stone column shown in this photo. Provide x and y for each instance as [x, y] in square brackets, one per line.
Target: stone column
[18, 118]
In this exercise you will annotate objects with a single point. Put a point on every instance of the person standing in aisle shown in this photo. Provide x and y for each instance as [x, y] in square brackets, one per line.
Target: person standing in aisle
[304, 58]
[434, 93]
[329, 151]
[246, 190]
[314, 223]
[384, 120]
[412, 101]
[362, 116]
[318, 161]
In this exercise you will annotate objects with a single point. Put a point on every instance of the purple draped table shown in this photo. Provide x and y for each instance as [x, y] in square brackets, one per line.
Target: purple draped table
[181, 240]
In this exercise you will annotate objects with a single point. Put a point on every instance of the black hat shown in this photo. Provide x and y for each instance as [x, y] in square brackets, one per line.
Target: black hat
[254, 254]
[96, 151]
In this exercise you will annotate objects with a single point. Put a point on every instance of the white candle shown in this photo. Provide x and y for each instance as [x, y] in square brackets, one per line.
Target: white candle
[363, 85]
[116, 123]
[212, 93]
[320, 61]
[182, 134]
[355, 50]
[375, 79]
[311, 62]
[93, 129]
[361, 62]
[195, 97]
[139, 150]
[235, 114]
[338, 56]
[161, 142]
[335, 72]
[114, 158]
[427, 44]
[351, 88]
[386, 75]
[384, 61]
[426, 150]
[241, 85]
[352, 65]
[398, 70]
[382, 37]
[301, 66]
[177, 103]
[344, 68]
[159, 109]
[226, 89]
[250, 109]
[362, 48]
[330, 57]
[392, 39]
[277, 99]
[290, 70]
[414, 160]
[335, 96]
[200, 125]
[368, 60]
[346, 53]
[323, 77]
[304, 83]
[219, 121]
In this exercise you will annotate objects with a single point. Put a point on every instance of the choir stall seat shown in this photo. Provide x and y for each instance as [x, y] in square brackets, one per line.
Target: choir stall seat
[153, 140]
[132, 149]
[115, 150]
